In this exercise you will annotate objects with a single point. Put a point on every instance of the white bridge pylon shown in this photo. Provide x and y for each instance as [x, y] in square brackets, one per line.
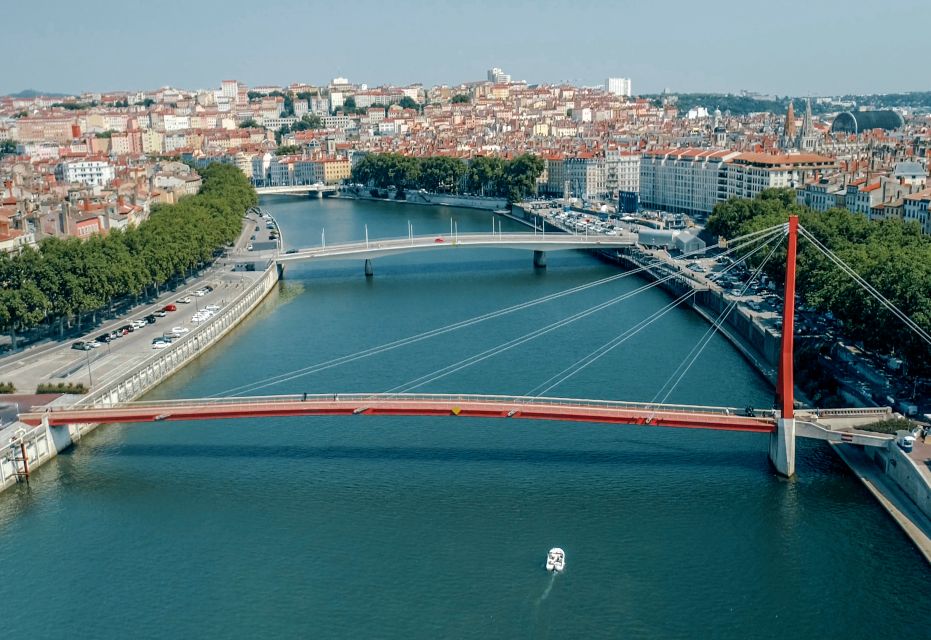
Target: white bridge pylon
[526, 241]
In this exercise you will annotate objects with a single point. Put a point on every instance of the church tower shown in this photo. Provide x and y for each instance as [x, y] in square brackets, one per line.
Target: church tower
[788, 131]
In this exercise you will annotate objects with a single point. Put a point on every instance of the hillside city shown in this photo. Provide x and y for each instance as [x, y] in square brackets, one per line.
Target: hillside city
[83, 165]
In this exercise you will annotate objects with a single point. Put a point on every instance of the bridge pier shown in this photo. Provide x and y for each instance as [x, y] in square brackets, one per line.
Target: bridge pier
[539, 259]
[369, 271]
[782, 447]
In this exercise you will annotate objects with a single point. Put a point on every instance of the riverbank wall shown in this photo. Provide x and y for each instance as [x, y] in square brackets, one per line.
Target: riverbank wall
[42, 443]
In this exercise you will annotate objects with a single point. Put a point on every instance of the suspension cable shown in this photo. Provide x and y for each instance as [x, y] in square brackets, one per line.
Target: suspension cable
[510, 344]
[673, 381]
[582, 363]
[736, 245]
[885, 302]
[576, 367]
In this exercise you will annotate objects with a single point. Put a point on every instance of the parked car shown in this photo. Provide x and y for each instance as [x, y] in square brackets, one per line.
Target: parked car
[81, 345]
[170, 307]
[150, 318]
[291, 251]
[104, 338]
[207, 288]
[185, 300]
[179, 330]
[161, 313]
[126, 328]
[249, 247]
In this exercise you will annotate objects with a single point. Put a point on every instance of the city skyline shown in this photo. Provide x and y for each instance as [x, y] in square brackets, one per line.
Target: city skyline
[792, 50]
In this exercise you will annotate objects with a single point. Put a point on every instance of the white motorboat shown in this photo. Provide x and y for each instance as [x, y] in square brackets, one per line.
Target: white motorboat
[556, 559]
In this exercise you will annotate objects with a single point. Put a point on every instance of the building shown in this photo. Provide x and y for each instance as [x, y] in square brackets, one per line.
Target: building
[856, 122]
[748, 174]
[94, 173]
[688, 180]
[618, 86]
[498, 76]
[918, 209]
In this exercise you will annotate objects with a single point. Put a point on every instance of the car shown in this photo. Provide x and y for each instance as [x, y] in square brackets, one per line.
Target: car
[126, 328]
[138, 324]
[253, 237]
[291, 251]
[104, 338]
[256, 227]
[169, 307]
[161, 313]
[150, 318]
[185, 300]
[249, 247]
[161, 344]
[212, 307]
[81, 345]
[200, 293]
[439, 240]
[94, 344]
[180, 330]
[207, 288]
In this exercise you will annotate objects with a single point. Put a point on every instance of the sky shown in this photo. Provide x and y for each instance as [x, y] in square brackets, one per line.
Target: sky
[790, 47]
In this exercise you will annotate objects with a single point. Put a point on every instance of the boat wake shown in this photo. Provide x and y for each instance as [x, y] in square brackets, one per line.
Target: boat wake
[549, 588]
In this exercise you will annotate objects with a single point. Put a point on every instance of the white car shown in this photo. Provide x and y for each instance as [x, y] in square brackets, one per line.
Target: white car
[180, 330]
[159, 344]
[139, 323]
[200, 293]
[212, 307]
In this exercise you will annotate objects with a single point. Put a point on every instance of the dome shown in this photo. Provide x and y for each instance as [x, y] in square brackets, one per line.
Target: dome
[857, 121]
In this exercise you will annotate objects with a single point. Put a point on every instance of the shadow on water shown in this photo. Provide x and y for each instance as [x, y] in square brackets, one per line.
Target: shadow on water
[748, 459]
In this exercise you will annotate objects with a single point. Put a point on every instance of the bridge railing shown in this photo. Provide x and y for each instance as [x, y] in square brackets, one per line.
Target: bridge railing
[362, 398]
[853, 412]
[467, 238]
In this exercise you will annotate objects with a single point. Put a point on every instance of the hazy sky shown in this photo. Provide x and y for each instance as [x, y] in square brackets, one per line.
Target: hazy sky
[794, 47]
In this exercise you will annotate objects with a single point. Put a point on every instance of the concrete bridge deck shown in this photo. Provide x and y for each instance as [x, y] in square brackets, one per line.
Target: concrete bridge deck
[317, 189]
[527, 241]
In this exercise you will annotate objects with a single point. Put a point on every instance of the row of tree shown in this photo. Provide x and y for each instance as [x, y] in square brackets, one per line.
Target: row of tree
[65, 279]
[892, 255]
[513, 179]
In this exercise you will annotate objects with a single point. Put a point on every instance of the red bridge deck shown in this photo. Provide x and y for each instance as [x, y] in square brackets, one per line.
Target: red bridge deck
[563, 409]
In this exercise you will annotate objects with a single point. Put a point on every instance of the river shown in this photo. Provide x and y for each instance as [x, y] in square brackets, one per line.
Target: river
[366, 527]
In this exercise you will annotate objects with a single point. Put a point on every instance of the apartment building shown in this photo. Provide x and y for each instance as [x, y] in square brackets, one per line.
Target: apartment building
[688, 180]
[918, 209]
[94, 173]
[748, 174]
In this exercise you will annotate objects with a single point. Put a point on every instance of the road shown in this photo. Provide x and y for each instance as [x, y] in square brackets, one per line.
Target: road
[58, 362]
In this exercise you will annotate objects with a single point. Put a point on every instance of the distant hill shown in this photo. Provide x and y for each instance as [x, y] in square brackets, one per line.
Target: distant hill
[32, 93]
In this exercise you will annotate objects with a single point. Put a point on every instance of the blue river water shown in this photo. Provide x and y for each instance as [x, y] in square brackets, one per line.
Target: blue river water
[365, 527]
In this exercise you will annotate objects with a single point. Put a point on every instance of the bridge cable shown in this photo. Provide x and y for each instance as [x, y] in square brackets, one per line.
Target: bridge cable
[582, 363]
[510, 344]
[885, 302]
[703, 342]
[747, 239]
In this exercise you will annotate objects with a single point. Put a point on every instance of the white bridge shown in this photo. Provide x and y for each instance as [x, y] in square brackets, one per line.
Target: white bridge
[539, 243]
[317, 189]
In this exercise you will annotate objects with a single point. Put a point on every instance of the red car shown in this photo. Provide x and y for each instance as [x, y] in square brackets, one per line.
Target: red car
[439, 240]
[170, 307]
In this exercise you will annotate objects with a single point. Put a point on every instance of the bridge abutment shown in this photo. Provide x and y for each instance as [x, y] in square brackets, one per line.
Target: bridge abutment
[369, 270]
[539, 259]
[782, 447]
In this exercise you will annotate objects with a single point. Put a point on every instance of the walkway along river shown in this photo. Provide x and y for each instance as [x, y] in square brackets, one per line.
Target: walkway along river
[424, 528]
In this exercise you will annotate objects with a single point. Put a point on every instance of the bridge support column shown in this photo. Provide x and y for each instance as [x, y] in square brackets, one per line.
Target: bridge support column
[369, 271]
[539, 259]
[782, 447]
[280, 271]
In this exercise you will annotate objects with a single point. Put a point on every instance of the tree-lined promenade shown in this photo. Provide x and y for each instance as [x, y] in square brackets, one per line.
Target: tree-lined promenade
[484, 175]
[892, 255]
[65, 279]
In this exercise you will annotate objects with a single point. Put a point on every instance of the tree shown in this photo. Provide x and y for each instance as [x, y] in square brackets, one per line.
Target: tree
[248, 123]
[287, 150]
[104, 134]
[485, 175]
[308, 121]
[7, 147]
[349, 103]
[409, 103]
[441, 174]
[521, 175]
[461, 98]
